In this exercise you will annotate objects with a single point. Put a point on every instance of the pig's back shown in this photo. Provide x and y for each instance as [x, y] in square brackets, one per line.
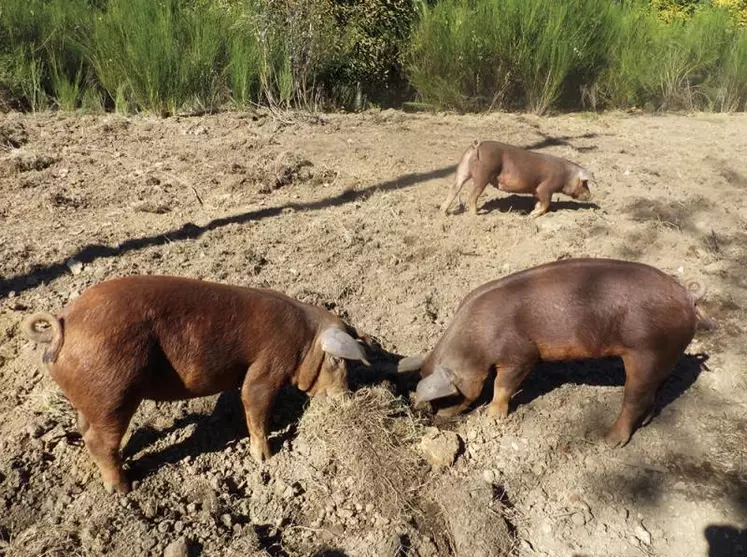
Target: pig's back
[596, 306]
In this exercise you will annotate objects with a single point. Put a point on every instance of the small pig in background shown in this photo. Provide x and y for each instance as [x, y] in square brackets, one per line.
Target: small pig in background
[517, 170]
[566, 310]
[170, 338]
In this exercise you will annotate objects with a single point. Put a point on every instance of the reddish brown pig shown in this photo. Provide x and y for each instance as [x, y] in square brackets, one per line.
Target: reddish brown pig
[517, 170]
[170, 338]
[565, 310]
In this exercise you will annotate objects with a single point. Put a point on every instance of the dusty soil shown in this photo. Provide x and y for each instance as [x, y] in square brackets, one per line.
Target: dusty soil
[342, 211]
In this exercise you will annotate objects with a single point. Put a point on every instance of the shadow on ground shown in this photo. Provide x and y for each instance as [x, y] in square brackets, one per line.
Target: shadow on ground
[191, 231]
[523, 204]
[726, 541]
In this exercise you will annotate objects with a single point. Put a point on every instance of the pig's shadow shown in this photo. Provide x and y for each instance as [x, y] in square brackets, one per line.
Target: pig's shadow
[225, 426]
[524, 204]
[605, 372]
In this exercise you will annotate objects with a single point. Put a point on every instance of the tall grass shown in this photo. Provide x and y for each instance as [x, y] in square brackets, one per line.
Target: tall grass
[167, 56]
[159, 54]
[533, 54]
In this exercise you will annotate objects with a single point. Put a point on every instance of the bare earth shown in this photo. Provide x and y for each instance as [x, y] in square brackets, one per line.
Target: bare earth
[342, 211]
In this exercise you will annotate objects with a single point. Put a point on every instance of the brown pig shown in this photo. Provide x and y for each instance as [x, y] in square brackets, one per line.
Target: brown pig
[566, 310]
[517, 170]
[170, 338]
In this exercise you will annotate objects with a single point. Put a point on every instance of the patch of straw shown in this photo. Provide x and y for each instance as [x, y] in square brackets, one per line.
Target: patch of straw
[367, 437]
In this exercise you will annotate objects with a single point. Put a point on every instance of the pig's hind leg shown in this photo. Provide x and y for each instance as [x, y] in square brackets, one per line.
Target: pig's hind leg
[479, 183]
[103, 430]
[645, 372]
[462, 176]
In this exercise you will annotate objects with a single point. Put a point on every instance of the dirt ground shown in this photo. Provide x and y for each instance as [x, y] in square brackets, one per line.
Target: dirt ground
[341, 210]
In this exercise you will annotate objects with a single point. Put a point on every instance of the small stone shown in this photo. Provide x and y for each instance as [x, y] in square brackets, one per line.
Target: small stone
[358, 507]
[149, 509]
[578, 519]
[488, 477]
[35, 430]
[178, 526]
[178, 548]
[440, 447]
[227, 520]
[642, 534]
[346, 514]
[148, 543]
[538, 469]
[75, 266]
[164, 526]
[472, 435]
[192, 508]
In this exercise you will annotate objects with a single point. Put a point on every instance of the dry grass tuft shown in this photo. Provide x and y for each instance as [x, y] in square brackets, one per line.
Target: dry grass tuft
[44, 541]
[368, 438]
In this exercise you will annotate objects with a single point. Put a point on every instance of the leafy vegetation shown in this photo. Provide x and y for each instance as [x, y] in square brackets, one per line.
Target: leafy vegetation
[168, 56]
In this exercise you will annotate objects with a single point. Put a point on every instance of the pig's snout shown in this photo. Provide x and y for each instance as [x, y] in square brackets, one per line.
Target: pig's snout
[583, 193]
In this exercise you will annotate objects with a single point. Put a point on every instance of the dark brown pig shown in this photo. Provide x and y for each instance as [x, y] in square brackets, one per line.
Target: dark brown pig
[517, 170]
[565, 310]
[170, 338]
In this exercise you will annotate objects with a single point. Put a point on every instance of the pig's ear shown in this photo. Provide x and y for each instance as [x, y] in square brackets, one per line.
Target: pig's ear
[411, 363]
[337, 342]
[438, 384]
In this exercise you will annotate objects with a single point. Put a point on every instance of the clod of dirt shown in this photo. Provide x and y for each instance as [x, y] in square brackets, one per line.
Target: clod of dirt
[474, 519]
[440, 447]
[178, 548]
[642, 534]
[33, 161]
[13, 135]
[150, 206]
[286, 169]
[62, 199]
[75, 266]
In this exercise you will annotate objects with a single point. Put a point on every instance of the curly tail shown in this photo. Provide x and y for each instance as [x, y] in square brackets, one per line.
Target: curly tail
[52, 335]
[697, 290]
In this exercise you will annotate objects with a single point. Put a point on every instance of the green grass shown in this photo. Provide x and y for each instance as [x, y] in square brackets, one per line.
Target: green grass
[171, 56]
[537, 55]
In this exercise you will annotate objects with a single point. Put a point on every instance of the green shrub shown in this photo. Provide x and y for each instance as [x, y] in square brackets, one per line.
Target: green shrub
[161, 55]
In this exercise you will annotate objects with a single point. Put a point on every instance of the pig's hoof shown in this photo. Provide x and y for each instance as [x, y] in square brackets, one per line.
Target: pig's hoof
[123, 487]
[616, 438]
[259, 453]
[498, 412]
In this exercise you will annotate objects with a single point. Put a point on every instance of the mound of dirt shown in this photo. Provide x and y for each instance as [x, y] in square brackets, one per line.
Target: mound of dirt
[365, 442]
[12, 135]
[273, 172]
[474, 517]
